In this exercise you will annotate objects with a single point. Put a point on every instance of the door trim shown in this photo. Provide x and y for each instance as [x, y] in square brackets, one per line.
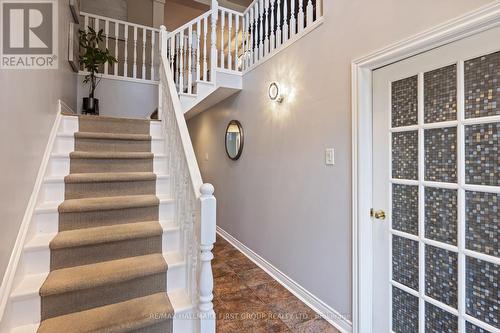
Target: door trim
[474, 22]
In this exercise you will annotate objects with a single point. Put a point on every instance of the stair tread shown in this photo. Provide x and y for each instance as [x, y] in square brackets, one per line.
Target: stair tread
[103, 273]
[111, 155]
[99, 177]
[105, 234]
[115, 318]
[108, 203]
[112, 136]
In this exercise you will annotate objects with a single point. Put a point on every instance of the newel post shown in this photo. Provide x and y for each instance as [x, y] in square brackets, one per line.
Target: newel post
[207, 240]
[213, 40]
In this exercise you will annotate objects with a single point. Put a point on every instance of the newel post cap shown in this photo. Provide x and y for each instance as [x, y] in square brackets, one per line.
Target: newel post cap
[207, 189]
[163, 28]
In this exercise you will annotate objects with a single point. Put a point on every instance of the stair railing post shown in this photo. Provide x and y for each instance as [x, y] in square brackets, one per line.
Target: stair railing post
[208, 208]
[213, 41]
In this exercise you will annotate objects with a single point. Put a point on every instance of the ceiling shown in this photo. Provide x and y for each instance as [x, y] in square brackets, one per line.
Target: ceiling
[199, 4]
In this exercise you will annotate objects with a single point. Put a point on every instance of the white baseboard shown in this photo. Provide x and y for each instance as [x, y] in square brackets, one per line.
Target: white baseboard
[324, 310]
[8, 278]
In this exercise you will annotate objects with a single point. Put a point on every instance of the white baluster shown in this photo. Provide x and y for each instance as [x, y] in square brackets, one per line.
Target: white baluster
[246, 36]
[205, 64]
[293, 21]
[213, 41]
[153, 37]
[125, 56]
[301, 16]
[143, 54]
[190, 60]
[237, 41]
[198, 64]
[319, 9]
[278, 23]
[86, 20]
[222, 23]
[181, 66]
[229, 44]
[172, 55]
[207, 239]
[134, 72]
[273, 35]
[266, 41]
[117, 32]
[309, 11]
[285, 21]
[252, 38]
[106, 42]
[261, 29]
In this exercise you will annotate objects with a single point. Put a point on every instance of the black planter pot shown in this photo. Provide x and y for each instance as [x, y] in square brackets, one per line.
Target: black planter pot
[90, 106]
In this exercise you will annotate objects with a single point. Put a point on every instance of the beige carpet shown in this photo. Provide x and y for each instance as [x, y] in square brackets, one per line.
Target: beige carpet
[107, 269]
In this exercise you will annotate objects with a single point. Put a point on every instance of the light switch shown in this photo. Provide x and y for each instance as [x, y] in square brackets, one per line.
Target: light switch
[206, 156]
[330, 156]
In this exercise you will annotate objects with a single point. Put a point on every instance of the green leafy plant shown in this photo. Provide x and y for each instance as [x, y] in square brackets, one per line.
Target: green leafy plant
[93, 57]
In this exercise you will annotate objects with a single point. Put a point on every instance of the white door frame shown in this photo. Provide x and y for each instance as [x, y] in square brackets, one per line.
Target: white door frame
[479, 20]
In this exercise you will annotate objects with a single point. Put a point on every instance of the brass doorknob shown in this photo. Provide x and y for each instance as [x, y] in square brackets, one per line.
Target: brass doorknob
[378, 214]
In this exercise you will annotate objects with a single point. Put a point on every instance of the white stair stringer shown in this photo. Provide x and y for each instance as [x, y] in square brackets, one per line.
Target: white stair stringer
[21, 303]
[209, 94]
[184, 311]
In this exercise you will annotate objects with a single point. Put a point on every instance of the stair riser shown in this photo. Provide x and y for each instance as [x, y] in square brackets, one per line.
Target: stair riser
[155, 129]
[162, 327]
[171, 240]
[89, 165]
[158, 146]
[72, 221]
[163, 187]
[109, 189]
[23, 312]
[70, 257]
[64, 144]
[68, 124]
[35, 261]
[176, 277]
[75, 301]
[106, 125]
[181, 324]
[167, 210]
[46, 223]
[112, 145]
[58, 166]
[51, 191]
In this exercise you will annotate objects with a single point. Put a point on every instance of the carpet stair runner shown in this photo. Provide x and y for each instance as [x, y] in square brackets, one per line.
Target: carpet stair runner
[108, 273]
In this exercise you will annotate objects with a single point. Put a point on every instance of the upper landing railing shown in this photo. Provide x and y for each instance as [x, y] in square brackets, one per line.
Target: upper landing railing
[223, 39]
[220, 39]
[136, 47]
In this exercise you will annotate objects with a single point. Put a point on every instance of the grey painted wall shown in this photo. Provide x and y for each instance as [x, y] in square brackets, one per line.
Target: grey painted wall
[27, 112]
[280, 199]
[118, 98]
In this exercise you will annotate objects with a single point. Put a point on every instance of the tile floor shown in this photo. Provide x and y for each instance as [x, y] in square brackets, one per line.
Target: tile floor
[247, 300]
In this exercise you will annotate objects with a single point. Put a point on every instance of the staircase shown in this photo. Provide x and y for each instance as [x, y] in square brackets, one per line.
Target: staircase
[111, 245]
[107, 268]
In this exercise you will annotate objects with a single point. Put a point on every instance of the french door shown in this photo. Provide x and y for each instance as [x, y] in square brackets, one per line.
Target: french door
[436, 218]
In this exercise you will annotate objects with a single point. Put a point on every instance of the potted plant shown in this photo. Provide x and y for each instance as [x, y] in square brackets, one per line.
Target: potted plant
[92, 58]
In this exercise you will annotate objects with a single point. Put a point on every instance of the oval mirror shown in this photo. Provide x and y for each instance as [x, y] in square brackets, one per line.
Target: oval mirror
[234, 140]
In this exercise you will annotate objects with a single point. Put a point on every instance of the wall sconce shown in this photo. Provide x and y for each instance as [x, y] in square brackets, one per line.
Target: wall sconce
[274, 93]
